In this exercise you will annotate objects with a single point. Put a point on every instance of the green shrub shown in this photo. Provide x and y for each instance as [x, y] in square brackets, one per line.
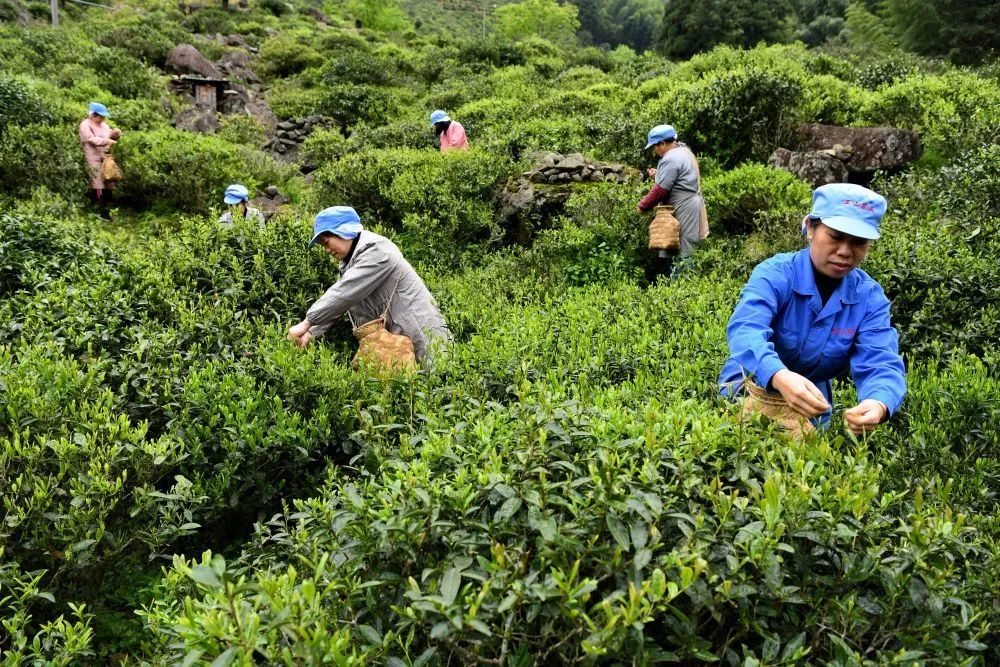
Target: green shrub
[737, 198]
[285, 55]
[27, 641]
[443, 200]
[734, 115]
[349, 104]
[19, 105]
[143, 41]
[168, 167]
[41, 155]
[358, 67]
[242, 130]
[953, 112]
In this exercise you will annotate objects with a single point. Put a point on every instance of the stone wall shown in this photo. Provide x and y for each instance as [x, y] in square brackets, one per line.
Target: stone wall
[290, 133]
[557, 169]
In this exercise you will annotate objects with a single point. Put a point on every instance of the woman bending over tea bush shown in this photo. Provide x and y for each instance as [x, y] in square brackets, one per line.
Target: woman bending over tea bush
[805, 317]
[375, 282]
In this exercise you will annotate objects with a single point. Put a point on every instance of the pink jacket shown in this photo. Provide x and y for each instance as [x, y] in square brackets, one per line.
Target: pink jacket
[454, 138]
[96, 141]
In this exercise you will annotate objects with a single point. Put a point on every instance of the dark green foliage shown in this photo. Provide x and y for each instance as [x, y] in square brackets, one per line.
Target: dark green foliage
[693, 26]
[735, 115]
[172, 168]
[442, 202]
[349, 104]
[42, 155]
[19, 105]
[964, 31]
[737, 199]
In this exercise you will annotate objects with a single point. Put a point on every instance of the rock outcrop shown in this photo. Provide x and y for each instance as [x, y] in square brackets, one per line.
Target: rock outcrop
[271, 202]
[814, 167]
[236, 65]
[290, 133]
[185, 59]
[531, 201]
[869, 148]
[824, 154]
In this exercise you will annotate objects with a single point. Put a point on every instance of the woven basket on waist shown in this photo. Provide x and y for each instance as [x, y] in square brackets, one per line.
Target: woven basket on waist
[378, 348]
[664, 230]
[110, 170]
[759, 401]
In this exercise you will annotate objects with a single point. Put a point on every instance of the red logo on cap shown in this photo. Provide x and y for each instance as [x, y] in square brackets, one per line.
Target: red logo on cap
[860, 204]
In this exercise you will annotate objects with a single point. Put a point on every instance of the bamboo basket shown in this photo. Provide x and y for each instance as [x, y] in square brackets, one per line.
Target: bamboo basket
[759, 401]
[379, 348]
[664, 230]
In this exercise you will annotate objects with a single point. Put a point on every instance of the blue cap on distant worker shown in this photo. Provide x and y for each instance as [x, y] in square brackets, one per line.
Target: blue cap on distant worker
[342, 221]
[848, 208]
[236, 193]
[661, 133]
[438, 116]
[99, 109]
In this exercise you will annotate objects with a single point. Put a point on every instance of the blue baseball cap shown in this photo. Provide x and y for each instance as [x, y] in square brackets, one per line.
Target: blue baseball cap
[342, 221]
[99, 109]
[236, 193]
[849, 208]
[438, 116]
[660, 133]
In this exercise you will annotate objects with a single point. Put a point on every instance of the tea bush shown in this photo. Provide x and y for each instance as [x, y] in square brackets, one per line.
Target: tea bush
[443, 201]
[19, 105]
[738, 197]
[167, 167]
[42, 155]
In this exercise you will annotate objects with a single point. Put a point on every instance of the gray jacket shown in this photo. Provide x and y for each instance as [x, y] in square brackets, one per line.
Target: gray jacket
[367, 280]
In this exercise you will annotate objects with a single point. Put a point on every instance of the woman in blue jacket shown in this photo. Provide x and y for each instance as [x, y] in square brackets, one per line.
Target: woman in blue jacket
[804, 318]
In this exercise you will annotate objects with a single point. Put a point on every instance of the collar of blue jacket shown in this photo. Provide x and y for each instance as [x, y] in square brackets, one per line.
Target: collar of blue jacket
[805, 280]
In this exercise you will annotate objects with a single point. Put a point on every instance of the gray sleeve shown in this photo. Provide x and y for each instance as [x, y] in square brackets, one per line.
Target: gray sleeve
[667, 172]
[358, 282]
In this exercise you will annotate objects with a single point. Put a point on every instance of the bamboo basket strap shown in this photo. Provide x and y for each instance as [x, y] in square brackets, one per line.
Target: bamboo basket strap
[385, 313]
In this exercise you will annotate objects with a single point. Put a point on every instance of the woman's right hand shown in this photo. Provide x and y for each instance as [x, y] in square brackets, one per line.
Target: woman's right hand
[651, 173]
[296, 332]
[800, 393]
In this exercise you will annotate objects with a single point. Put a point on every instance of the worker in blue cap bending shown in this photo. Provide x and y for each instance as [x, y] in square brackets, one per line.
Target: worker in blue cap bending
[806, 317]
[237, 198]
[375, 281]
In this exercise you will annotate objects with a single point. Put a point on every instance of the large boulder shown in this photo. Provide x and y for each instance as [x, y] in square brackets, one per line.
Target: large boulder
[271, 202]
[197, 119]
[185, 59]
[236, 64]
[870, 148]
[814, 167]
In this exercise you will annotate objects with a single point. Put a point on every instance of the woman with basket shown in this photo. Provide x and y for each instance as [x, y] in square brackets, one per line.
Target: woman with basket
[394, 316]
[806, 317]
[677, 186]
[97, 138]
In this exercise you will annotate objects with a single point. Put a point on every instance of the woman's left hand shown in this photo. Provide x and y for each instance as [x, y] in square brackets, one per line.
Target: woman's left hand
[865, 416]
[116, 133]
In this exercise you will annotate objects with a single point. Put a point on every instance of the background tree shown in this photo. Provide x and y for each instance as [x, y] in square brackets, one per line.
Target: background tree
[548, 19]
[967, 32]
[635, 23]
[384, 15]
[692, 26]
